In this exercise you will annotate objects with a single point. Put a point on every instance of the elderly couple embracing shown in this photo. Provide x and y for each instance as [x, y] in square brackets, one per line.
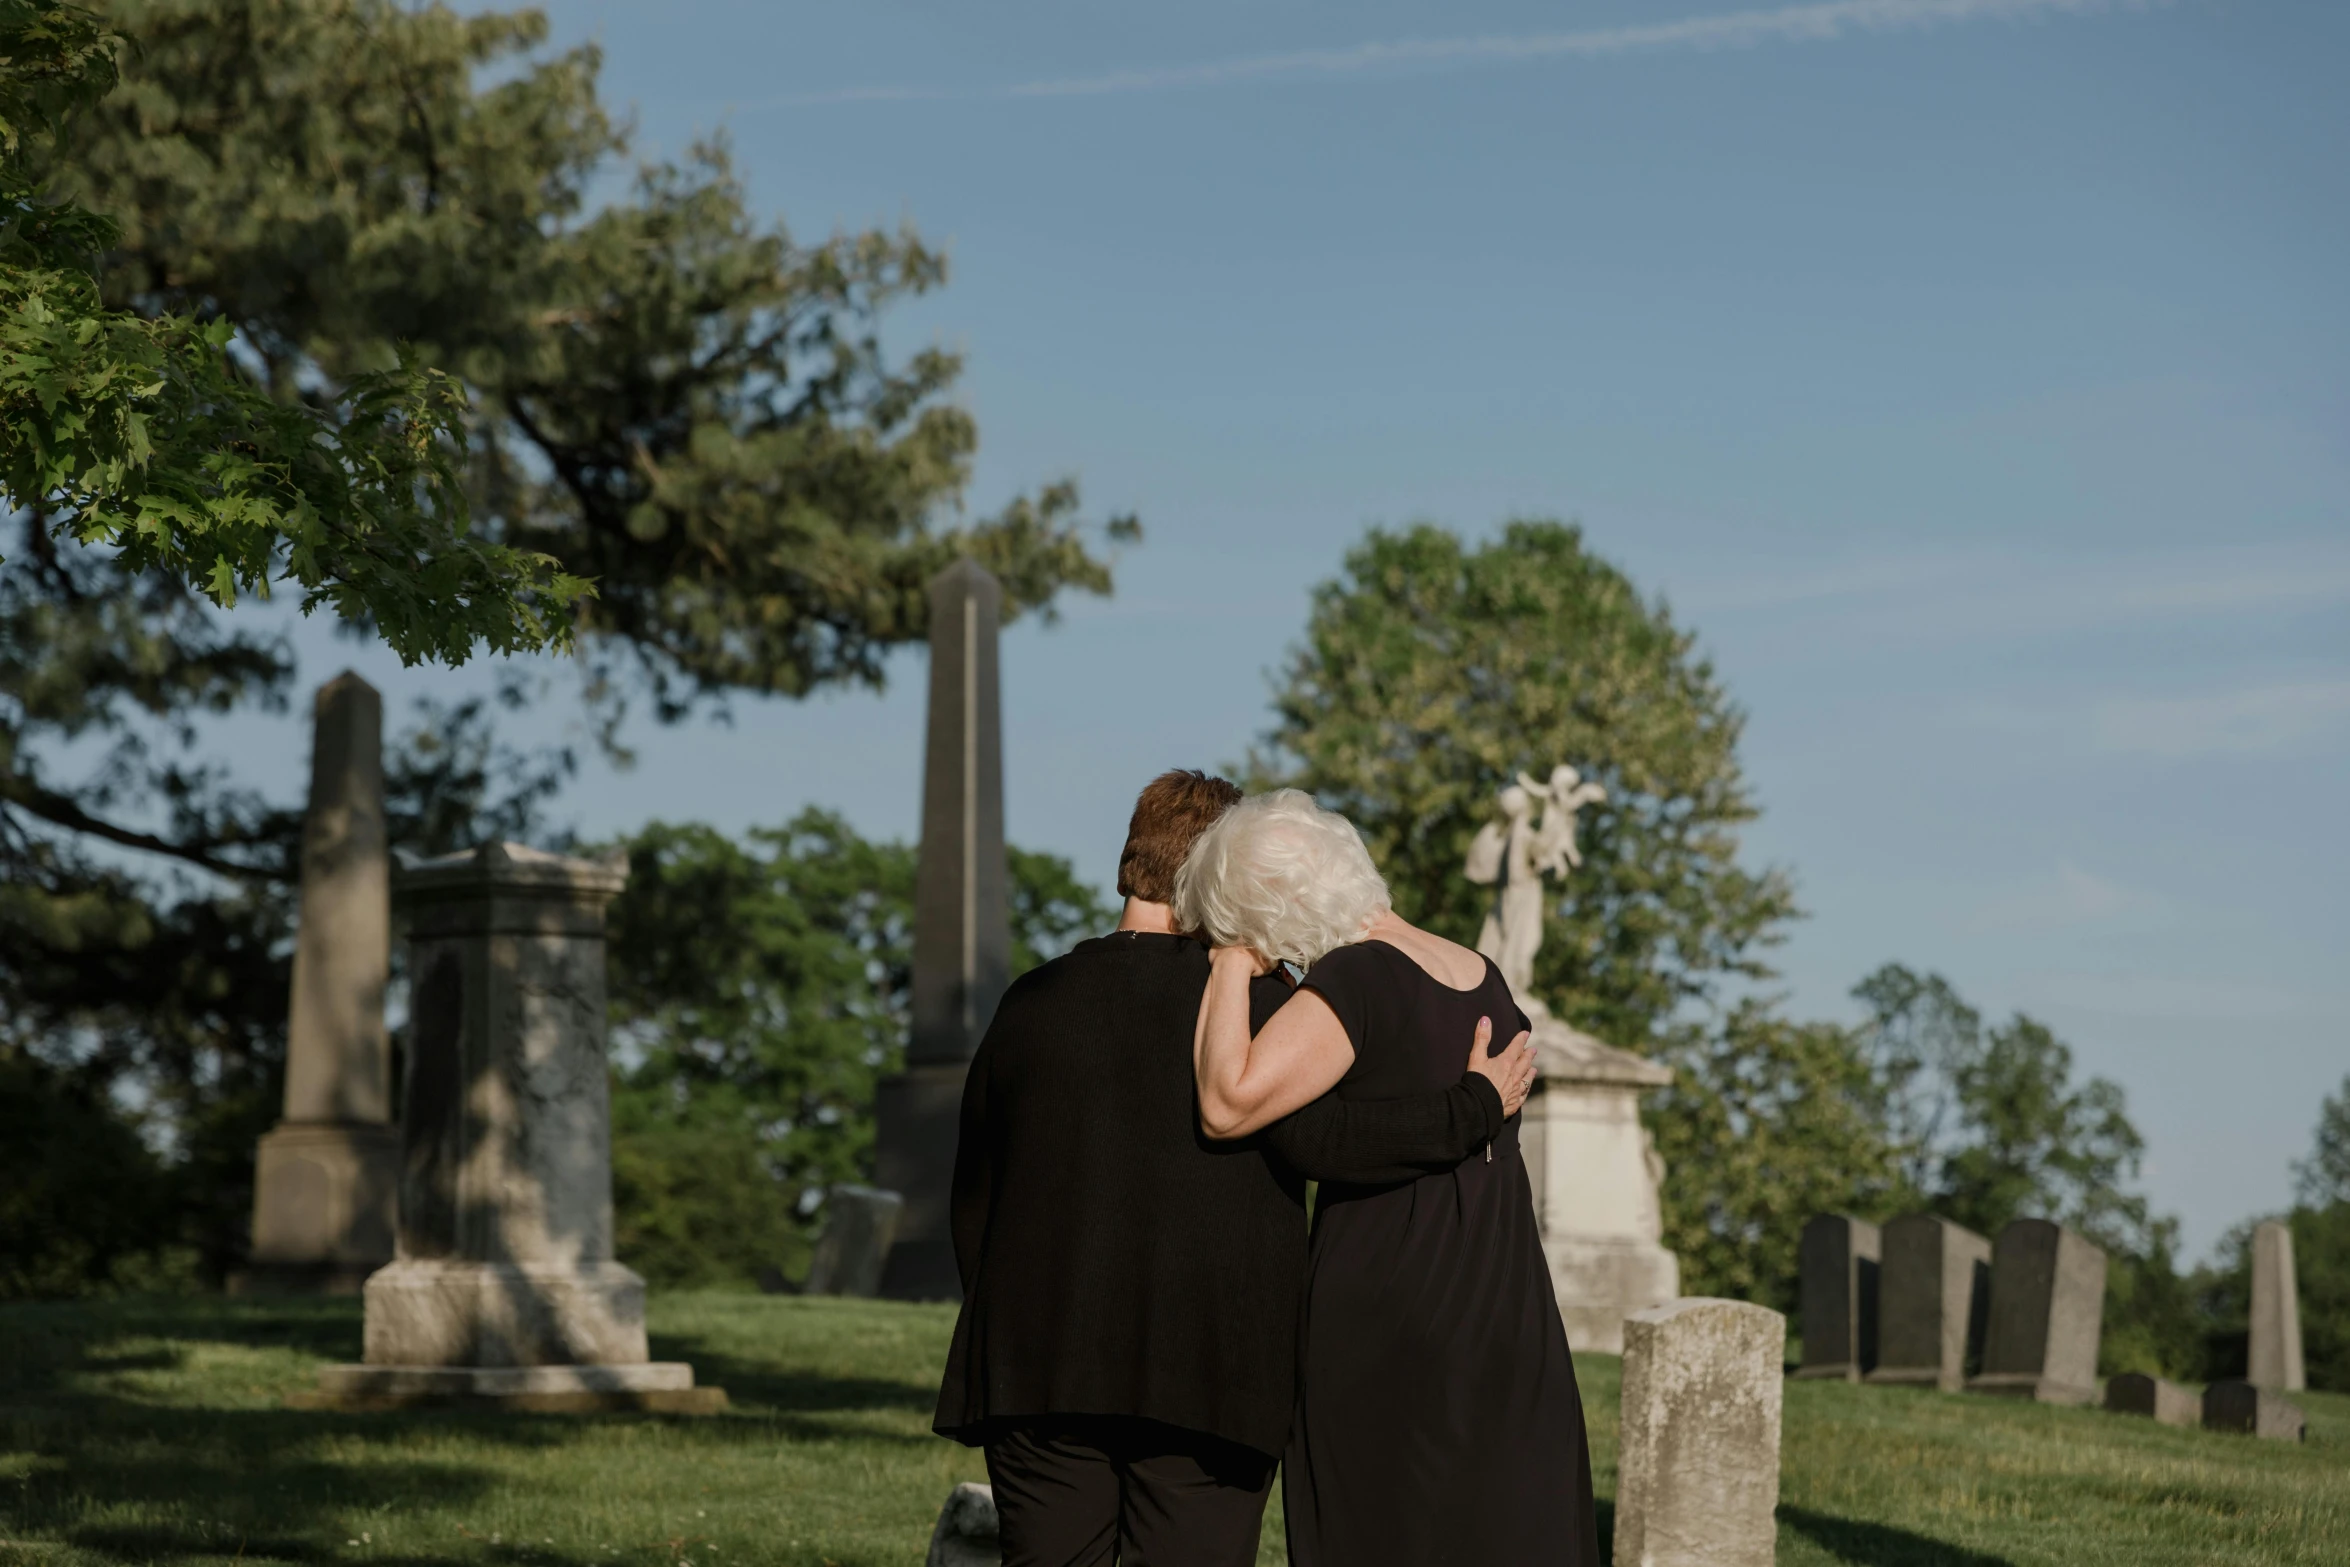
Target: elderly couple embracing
[1147, 1330]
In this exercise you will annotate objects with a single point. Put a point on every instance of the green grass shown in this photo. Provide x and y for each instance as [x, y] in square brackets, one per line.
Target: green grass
[153, 1431]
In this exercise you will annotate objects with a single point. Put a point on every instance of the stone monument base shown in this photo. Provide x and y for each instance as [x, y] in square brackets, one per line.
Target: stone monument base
[1600, 1283]
[917, 1116]
[656, 1387]
[499, 1314]
[325, 1199]
[2041, 1390]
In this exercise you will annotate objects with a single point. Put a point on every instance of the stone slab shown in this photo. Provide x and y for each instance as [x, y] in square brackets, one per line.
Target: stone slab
[1838, 1262]
[478, 1314]
[1600, 1283]
[2047, 1314]
[1933, 1303]
[967, 1533]
[658, 1387]
[2273, 1352]
[338, 1054]
[1698, 1450]
[860, 1224]
[2252, 1410]
[2135, 1393]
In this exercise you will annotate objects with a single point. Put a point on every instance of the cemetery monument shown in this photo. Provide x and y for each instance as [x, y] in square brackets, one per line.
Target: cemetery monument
[2275, 1347]
[1594, 1168]
[2166, 1403]
[2047, 1312]
[1698, 1455]
[505, 1289]
[962, 932]
[326, 1177]
[1838, 1276]
[1933, 1302]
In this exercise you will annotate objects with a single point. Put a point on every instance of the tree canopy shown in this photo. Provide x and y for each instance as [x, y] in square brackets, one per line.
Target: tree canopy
[1433, 672]
[140, 434]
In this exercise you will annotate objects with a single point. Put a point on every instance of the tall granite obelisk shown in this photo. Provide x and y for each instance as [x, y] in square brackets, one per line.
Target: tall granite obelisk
[326, 1178]
[962, 936]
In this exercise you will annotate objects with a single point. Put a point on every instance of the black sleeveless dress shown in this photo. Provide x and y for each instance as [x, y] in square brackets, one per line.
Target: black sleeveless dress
[1438, 1418]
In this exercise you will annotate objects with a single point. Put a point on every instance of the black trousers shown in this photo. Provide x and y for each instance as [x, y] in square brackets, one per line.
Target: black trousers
[1086, 1491]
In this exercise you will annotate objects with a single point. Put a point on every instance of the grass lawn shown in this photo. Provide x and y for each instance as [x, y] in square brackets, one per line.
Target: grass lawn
[153, 1431]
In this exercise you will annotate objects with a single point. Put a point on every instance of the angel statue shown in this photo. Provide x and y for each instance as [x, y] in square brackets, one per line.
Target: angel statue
[1512, 855]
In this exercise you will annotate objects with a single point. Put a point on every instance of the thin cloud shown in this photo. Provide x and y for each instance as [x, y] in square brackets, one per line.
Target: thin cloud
[1819, 23]
[2068, 896]
[2259, 719]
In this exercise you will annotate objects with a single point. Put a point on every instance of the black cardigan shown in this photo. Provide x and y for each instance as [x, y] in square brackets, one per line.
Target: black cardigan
[1115, 1260]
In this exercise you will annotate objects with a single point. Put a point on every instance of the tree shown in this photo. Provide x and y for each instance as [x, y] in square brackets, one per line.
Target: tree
[141, 436]
[1767, 1122]
[760, 989]
[2323, 1178]
[1432, 673]
[688, 408]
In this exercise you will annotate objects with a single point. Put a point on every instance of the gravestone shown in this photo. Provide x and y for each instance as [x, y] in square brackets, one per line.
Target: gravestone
[967, 1534]
[860, 1222]
[2047, 1310]
[1933, 1303]
[1698, 1446]
[505, 1289]
[2135, 1393]
[1837, 1263]
[962, 931]
[326, 1177]
[2252, 1410]
[2274, 1358]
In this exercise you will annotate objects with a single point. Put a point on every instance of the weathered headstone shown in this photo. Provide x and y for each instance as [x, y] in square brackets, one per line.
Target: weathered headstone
[2275, 1349]
[962, 931]
[967, 1534]
[2253, 1410]
[1933, 1302]
[860, 1222]
[1837, 1264]
[2135, 1393]
[1698, 1447]
[326, 1178]
[2047, 1311]
[505, 1288]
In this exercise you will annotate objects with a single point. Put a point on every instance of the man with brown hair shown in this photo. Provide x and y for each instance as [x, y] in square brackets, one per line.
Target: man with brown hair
[1127, 1346]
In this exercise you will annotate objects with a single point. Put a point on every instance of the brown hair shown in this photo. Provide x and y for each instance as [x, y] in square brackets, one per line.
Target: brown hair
[1172, 811]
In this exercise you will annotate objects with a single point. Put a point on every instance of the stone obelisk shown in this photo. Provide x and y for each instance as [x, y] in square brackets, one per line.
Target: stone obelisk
[326, 1179]
[962, 936]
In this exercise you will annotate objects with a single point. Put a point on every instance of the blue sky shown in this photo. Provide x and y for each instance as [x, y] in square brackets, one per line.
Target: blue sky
[1974, 376]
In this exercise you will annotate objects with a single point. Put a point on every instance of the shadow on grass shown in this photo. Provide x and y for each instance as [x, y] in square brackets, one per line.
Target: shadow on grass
[1881, 1545]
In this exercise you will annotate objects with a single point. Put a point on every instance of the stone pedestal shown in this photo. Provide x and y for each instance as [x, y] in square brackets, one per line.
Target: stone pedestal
[2274, 1351]
[2047, 1313]
[1838, 1275]
[1933, 1302]
[505, 1238]
[1595, 1175]
[2167, 1403]
[962, 930]
[326, 1179]
[1698, 1449]
[2252, 1411]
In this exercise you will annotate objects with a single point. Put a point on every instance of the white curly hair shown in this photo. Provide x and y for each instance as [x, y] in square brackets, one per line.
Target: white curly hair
[1278, 873]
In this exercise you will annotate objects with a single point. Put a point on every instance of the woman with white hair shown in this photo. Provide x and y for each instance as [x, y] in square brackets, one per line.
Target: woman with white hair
[1438, 1419]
